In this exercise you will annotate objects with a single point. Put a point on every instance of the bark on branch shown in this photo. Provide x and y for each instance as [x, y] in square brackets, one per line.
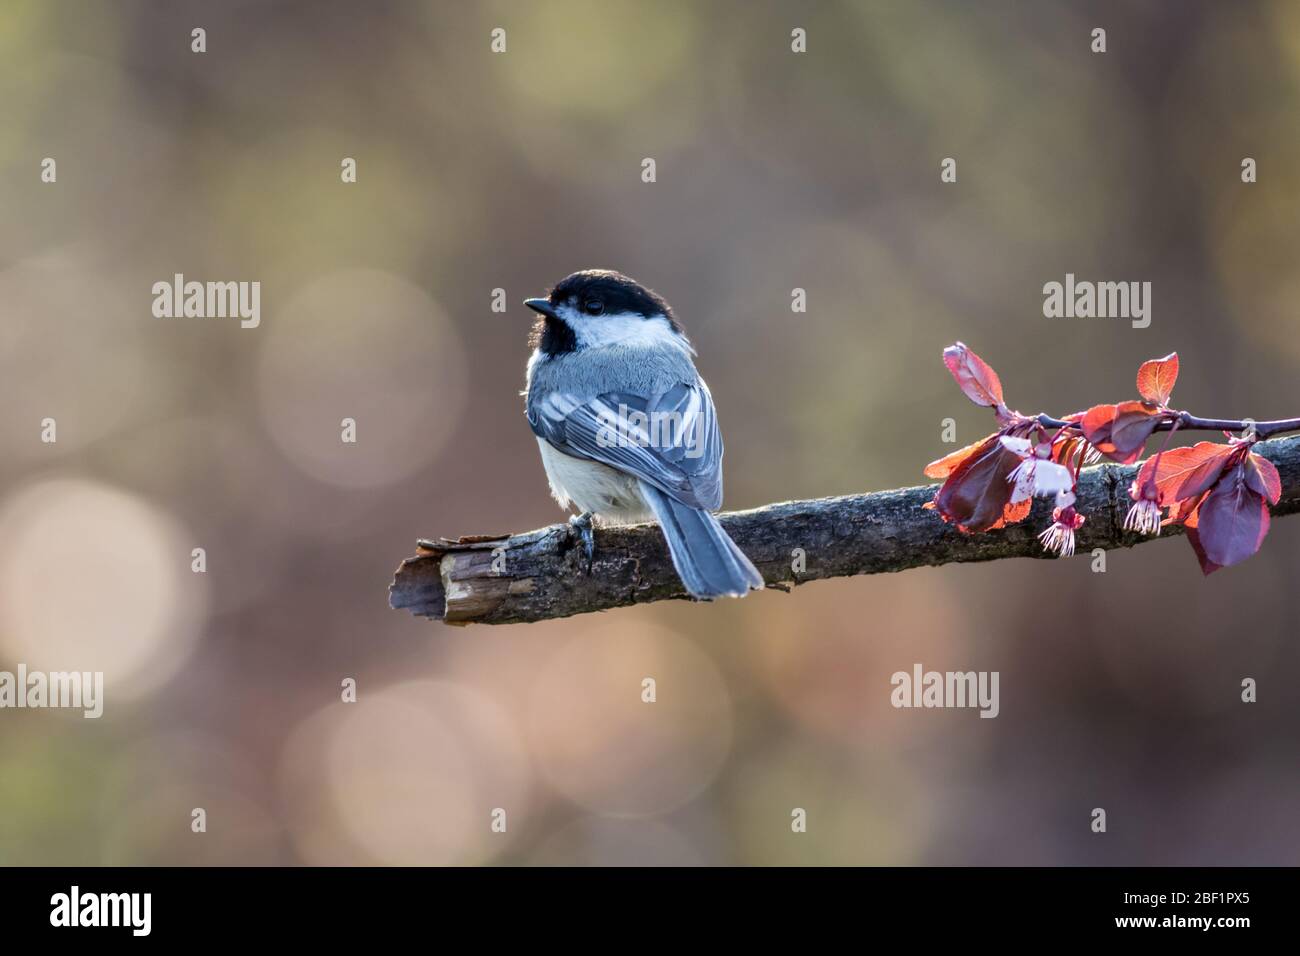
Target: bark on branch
[536, 575]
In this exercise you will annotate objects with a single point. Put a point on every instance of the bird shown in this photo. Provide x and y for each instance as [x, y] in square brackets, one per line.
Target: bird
[627, 427]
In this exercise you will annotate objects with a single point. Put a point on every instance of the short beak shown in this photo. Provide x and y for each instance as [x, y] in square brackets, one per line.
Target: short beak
[543, 306]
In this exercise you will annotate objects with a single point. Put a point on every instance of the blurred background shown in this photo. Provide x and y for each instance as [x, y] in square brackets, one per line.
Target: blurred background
[479, 171]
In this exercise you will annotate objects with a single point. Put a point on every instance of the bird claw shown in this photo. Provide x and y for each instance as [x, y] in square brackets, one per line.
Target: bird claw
[583, 526]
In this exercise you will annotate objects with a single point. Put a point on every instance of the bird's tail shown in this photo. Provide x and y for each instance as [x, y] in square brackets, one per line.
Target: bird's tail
[706, 559]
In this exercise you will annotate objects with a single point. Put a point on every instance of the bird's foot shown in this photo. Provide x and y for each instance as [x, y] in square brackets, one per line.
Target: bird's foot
[582, 525]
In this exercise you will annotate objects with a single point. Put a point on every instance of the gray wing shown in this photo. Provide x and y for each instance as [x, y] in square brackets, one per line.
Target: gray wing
[669, 440]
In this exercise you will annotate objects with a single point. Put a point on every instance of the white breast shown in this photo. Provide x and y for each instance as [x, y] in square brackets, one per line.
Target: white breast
[590, 486]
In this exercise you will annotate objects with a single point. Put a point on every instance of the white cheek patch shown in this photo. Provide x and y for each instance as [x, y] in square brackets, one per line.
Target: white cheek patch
[625, 328]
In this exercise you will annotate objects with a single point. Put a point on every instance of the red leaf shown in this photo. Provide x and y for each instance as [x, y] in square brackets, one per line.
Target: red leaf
[1208, 567]
[973, 374]
[1120, 432]
[1185, 472]
[1184, 512]
[945, 466]
[1133, 425]
[1066, 450]
[1096, 423]
[1155, 379]
[1232, 521]
[1013, 513]
[976, 494]
[1262, 477]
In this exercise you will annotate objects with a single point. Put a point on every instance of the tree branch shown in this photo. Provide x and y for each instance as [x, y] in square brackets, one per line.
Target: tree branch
[543, 574]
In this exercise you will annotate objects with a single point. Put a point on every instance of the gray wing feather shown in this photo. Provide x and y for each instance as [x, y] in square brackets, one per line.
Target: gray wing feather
[681, 455]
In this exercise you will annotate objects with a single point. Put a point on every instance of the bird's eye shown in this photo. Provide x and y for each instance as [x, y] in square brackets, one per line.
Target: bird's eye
[594, 307]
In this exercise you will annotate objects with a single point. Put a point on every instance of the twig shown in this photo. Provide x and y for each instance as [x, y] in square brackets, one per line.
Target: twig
[1190, 422]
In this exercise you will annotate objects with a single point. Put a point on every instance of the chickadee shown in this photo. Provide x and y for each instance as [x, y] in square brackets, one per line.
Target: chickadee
[626, 426]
